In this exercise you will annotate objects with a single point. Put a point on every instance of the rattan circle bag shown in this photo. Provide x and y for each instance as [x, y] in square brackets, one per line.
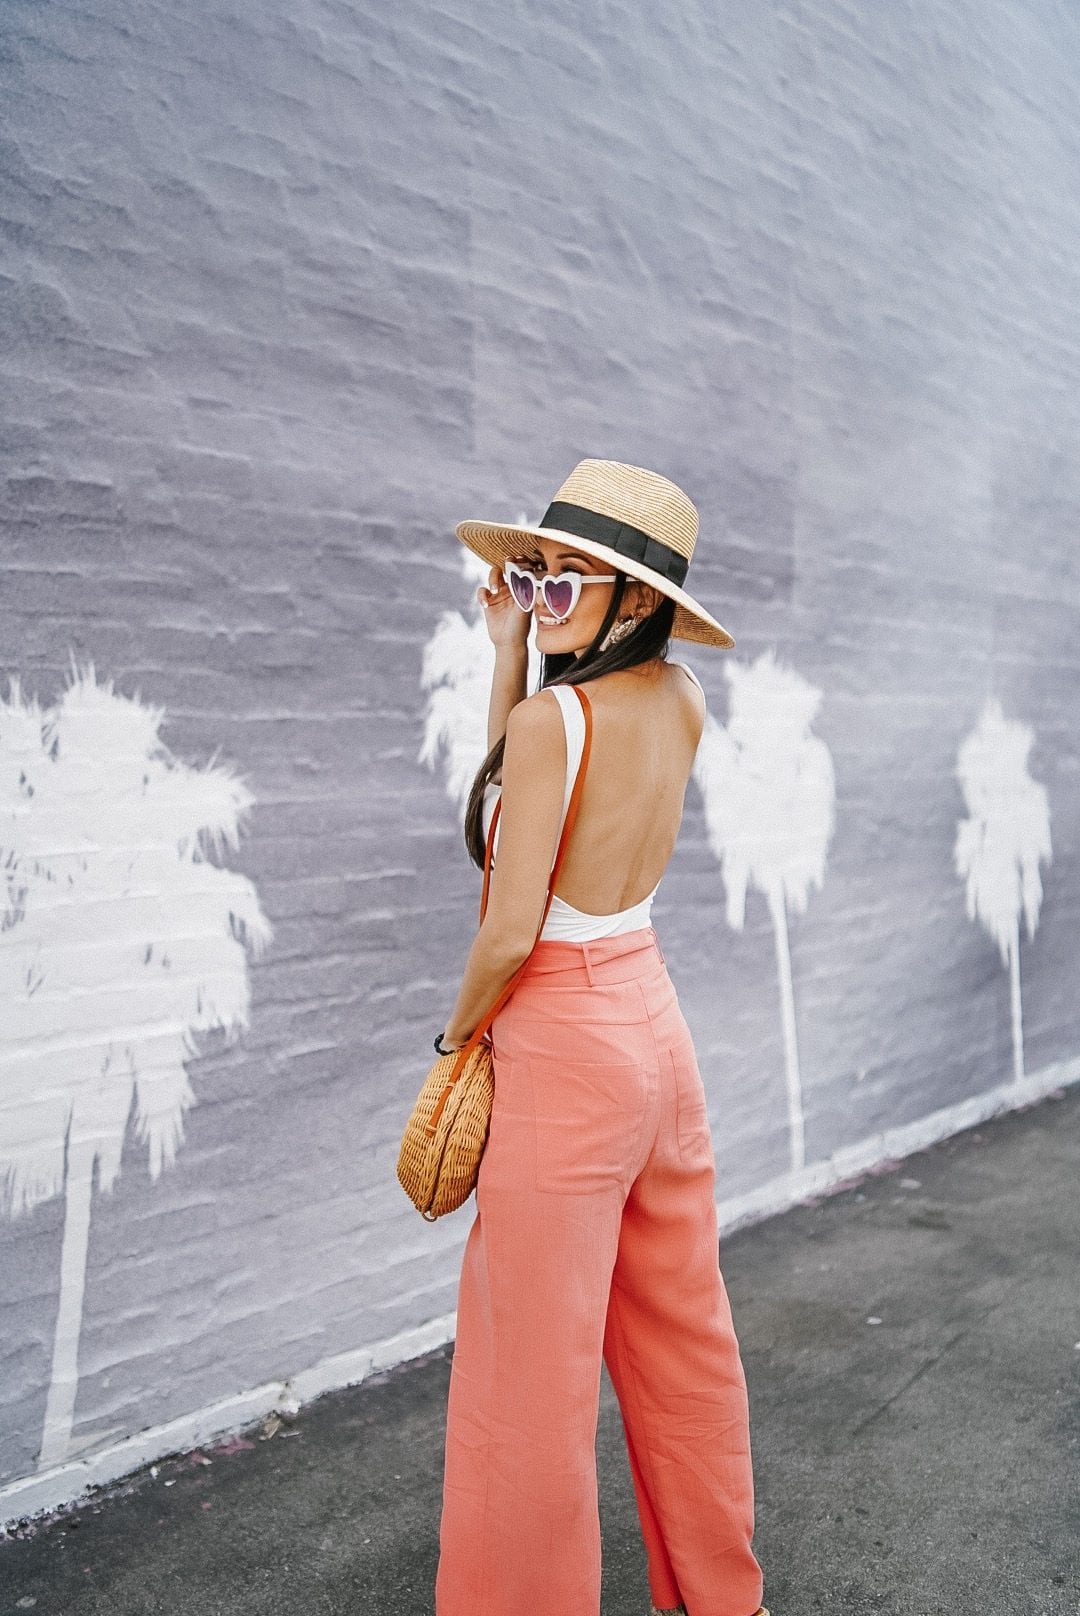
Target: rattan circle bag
[444, 1138]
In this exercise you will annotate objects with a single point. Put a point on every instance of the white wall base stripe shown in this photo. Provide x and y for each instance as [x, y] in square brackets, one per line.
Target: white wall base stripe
[63, 1484]
[892, 1144]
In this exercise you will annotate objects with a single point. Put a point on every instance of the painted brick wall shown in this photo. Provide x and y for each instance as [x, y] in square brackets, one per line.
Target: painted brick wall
[287, 290]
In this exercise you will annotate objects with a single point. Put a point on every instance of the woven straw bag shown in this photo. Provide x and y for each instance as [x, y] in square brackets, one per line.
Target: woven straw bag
[445, 1136]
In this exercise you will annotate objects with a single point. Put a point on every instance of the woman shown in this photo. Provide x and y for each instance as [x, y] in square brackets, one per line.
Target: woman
[595, 1234]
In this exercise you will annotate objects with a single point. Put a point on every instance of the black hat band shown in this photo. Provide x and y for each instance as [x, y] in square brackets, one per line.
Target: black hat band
[628, 541]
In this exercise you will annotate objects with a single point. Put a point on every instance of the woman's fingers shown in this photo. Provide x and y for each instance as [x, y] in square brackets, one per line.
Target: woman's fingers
[495, 588]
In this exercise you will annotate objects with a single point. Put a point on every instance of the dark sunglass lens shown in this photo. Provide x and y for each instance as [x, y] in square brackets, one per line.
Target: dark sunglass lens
[523, 590]
[559, 596]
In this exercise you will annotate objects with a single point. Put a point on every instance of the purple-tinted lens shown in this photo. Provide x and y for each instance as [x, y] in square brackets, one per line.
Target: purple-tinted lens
[558, 596]
[524, 589]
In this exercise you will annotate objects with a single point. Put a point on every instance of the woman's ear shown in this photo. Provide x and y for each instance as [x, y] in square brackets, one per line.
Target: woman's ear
[641, 597]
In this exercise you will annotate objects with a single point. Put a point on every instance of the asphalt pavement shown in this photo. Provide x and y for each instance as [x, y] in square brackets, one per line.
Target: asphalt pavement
[912, 1352]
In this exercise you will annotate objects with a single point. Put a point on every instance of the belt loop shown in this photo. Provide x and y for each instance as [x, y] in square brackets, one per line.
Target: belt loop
[585, 947]
[656, 940]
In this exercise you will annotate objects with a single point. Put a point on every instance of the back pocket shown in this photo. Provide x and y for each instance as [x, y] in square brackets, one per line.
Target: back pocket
[692, 1114]
[588, 1118]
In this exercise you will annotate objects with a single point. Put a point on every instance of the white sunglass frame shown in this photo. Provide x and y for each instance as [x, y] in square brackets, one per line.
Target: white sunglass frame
[539, 579]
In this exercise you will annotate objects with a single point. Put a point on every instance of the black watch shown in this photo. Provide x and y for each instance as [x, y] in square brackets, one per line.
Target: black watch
[438, 1044]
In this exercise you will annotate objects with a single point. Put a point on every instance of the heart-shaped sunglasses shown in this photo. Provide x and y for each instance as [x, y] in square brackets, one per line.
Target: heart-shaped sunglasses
[560, 591]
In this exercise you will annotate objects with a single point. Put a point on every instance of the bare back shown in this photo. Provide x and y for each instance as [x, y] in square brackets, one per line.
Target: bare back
[647, 723]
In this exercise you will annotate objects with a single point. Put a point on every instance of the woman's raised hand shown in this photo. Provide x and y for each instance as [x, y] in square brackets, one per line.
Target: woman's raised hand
[507, 625]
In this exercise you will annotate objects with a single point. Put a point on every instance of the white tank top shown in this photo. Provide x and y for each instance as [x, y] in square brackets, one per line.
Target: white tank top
[564, 922]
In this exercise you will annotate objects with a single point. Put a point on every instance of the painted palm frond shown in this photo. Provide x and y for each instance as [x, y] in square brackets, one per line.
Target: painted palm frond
[122, 943]
[22, 759]
[768, 787]
[1000, 845]
[455, 674]
[1007, 833]
[769, 793]
[134, 942]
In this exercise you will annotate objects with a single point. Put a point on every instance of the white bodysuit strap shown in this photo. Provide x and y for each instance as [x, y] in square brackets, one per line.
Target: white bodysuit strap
[574, 725]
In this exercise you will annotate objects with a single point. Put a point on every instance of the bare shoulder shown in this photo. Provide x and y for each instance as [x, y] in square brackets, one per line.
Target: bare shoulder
[535, 721]
[687, 673]
[535, 751]
[689, 680]
[693, 693]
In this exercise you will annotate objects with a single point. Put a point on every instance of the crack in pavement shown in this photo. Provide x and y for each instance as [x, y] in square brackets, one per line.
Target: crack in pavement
[899, 1392]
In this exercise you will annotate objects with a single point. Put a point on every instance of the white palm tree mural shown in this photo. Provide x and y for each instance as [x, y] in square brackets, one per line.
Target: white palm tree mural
[120, 942]
[769, 793]
[456, 671]
[998, 848]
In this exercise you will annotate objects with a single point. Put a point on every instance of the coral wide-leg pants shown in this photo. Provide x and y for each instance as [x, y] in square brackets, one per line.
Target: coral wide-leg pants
[595, 1238]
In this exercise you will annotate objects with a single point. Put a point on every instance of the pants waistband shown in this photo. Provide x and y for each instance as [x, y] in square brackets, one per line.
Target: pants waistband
[597, 959]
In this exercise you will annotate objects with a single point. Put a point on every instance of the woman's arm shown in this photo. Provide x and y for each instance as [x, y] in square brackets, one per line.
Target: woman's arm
[508, 630]
[507, 690]
[534, 776]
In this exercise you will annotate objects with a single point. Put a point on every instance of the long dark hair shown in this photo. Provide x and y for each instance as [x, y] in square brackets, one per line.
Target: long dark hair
[649, 639]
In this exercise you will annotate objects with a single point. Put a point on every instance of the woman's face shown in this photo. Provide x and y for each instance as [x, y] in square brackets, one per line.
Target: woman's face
[580, 628]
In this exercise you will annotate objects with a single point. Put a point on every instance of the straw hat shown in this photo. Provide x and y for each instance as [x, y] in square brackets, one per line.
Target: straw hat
[637, 520]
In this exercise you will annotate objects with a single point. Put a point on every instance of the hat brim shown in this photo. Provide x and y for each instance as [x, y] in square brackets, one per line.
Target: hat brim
[496, 542]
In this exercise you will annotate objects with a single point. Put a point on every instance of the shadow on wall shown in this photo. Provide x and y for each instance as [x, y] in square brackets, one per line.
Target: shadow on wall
[120, 942]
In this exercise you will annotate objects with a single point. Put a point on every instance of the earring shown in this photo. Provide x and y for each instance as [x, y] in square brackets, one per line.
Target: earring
[621, 627]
